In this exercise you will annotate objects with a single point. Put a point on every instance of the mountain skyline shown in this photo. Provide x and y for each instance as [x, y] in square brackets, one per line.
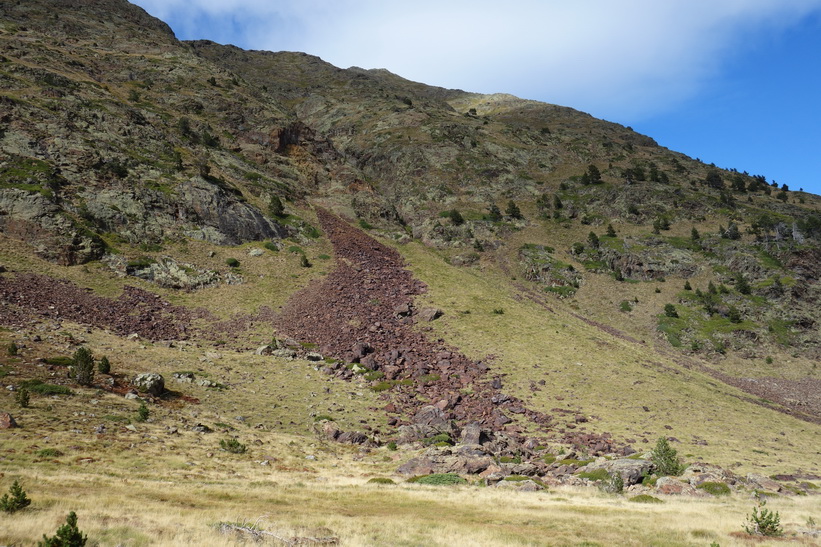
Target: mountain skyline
[729, 83]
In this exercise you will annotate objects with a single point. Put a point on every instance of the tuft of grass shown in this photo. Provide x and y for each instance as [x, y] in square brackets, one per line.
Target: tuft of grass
[49, 453]
[645, 498]
[59, 361]
[438, 479]
[381, 480]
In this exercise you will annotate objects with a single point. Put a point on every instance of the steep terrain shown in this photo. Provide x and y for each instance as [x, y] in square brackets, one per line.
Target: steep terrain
[357, 275]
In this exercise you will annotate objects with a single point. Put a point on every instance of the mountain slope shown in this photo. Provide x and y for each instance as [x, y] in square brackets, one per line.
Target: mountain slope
[275, 235]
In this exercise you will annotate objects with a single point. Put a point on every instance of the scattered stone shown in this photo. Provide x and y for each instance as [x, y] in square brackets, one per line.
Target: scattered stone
[429, 314]
[264, 350]
[256, 252]
[674, 486]
[313, 356]
[472, 434]
[520, 486]
[284, 353]
[183, 377]
[201, 428]
[352, 437]
[7, 421]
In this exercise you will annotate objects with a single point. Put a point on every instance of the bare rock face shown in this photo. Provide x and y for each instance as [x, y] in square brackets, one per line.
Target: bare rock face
[150, 382]
[221, 215]
[40, 222]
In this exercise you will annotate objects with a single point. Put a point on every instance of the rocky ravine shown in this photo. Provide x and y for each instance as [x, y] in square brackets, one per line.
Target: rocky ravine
[364, 313]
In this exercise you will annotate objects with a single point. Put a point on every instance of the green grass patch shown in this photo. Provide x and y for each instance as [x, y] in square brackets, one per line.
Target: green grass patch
[438, 440]
[595, 475]
[49, 453]
[781, 331]
[715, 488]
[42, 388]
[385, 385]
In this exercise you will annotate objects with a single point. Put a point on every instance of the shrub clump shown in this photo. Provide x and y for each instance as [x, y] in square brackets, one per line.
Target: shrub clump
[233, 446]
[381, 480]
[232, 262]
[439, 479]
[15, 500]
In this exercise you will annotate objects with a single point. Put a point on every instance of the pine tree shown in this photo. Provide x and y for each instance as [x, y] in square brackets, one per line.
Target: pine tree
[665, 458]
[83, 366]
[611, 232]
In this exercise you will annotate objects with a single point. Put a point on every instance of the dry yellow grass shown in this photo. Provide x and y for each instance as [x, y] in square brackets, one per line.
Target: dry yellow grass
[170, 511]
[607, 378]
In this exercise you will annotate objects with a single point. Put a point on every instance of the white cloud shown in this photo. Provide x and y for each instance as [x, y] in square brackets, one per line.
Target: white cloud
[616, 59]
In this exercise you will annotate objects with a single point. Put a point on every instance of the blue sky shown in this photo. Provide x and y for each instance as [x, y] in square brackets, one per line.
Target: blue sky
[732, 82]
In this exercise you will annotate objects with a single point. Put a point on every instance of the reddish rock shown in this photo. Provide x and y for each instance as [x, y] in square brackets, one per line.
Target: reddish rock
[7, 421]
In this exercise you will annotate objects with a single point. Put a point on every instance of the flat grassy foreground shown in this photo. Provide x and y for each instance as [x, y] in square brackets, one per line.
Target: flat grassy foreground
[117, 510]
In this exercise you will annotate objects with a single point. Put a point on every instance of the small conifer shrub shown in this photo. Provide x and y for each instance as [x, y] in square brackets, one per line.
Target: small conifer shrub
[233, 446]
[22, 398]
[68, 535]
[104, 366]
[15, 500]
[142, 413]
[763, 522]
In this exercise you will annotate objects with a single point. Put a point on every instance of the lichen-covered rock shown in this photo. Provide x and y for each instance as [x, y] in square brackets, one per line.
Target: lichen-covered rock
[149, 382]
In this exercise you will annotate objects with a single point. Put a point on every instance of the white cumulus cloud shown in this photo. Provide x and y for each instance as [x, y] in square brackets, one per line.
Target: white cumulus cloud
[614, 58]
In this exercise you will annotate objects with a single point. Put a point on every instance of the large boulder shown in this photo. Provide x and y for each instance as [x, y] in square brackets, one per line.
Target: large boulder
[631, 470]
[150, 382]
